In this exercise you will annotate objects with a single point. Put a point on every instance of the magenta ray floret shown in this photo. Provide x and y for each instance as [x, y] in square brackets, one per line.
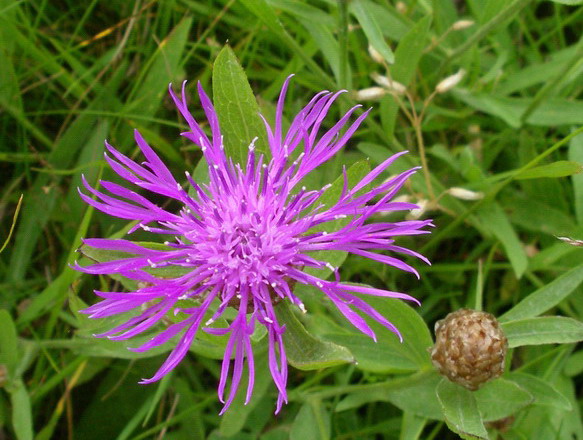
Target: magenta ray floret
[244, 239]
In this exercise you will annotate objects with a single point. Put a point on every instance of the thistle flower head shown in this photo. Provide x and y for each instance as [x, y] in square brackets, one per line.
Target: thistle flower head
[243, 239]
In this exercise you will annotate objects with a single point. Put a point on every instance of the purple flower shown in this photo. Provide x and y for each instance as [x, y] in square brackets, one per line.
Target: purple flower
[243, 239]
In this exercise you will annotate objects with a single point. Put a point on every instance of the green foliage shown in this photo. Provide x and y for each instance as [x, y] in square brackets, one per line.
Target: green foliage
[76, 73]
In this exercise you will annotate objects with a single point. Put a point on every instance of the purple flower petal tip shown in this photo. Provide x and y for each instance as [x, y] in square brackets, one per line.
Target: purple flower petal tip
[244, 238]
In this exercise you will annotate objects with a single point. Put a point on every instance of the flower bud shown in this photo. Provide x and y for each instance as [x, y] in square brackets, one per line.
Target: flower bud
[415, 214]
[371, 93]
[389, 84]
[375, 54]
[470, 348]
[450, 82]
[465, 194]
[401, 7]
[571, 241]
[462, 24]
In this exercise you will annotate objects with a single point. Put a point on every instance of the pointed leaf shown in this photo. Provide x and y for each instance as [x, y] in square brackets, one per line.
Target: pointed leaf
[461, 410]
[236, 107]
[501, 398]
[371, 28]
[544, 393]
[388, 353]
[543, 330]
[496, 221]
[546, 297]
[561, 168]
[304, 351]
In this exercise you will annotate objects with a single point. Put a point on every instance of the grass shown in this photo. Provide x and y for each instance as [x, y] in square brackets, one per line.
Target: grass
[76, 73]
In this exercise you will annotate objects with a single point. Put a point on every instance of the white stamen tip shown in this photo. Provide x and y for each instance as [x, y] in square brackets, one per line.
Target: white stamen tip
[209, 322]
[239, 296]
[302, 308]
[269, 320]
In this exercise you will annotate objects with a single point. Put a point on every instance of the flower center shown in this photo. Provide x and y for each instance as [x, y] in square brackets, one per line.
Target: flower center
[243, 242]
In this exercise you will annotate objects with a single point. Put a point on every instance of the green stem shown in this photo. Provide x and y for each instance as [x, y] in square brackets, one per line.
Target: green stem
[553, 83]
[503, 15]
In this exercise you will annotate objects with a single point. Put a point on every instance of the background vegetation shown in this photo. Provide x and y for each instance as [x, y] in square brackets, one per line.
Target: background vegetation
[75, 73]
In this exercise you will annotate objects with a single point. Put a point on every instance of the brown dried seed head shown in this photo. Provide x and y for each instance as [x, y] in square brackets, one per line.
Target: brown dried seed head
[470, 348]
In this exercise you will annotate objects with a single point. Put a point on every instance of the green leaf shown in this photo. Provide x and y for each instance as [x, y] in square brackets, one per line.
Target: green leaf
[496, 221]
[561, 168]
[311, 422]
[388, 353]
[303, 350]
[461, 410]
[371, 28]
[236, 107]
[574, 365]
[544, 393]
[500, 399]
[555, 111]
[576, 154]
[412, 426]
[21, 412]
[9, 355]
[546, 297]
[414, 394]
[543, 330]
[569, 2]
[163, 66]
[410, 51]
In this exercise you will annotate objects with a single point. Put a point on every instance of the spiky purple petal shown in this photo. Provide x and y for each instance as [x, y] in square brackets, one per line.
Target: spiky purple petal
[243, 238]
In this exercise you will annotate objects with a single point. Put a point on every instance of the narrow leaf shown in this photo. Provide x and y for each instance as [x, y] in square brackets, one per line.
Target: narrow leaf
[496, 221]
[236, 107]
[543, 330]
[410, 51]
[561, 168]
[544, 393]
[8, 343]
[576, 154]
[546, 297]
[372, 29]
[21, 413]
